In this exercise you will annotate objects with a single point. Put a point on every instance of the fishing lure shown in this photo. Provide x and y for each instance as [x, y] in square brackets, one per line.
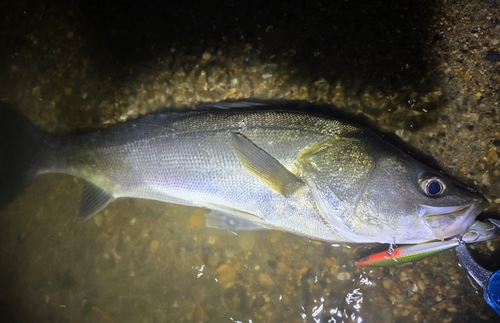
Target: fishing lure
[477, 232]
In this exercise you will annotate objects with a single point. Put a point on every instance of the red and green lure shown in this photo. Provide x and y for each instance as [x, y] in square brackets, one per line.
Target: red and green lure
[478, 231]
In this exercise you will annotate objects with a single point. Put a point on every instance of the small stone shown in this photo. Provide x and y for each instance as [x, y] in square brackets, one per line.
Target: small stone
[265, 279]
[133, 221]
[386, 283]
[98, 219]
[226, 276]
[344, 276]
[451, 271]
[196, 220]
[282, 268]
[421, 285]
[285, 299]
[492, 157]
[304, 267]
[154, 245]
[492, 56]
[328, 262]
[206, 56]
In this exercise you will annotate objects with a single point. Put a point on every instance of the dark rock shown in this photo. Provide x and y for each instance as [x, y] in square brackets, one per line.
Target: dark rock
[492, 56]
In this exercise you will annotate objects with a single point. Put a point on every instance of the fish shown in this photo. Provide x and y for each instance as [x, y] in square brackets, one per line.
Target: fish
[262, 166]
[479, 231]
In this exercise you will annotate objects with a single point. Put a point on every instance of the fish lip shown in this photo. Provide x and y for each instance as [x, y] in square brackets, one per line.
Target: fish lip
[459, 218]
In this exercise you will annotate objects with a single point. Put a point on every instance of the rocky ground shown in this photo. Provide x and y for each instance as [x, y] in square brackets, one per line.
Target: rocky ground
[427, 72]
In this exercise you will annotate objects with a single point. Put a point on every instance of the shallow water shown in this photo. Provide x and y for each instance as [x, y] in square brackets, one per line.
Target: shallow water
[144, 261]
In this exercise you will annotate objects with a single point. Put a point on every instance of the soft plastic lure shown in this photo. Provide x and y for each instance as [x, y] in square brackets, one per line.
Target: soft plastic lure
[478, 231]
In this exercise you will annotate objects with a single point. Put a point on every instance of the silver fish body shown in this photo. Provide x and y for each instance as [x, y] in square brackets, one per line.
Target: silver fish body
[314, 176]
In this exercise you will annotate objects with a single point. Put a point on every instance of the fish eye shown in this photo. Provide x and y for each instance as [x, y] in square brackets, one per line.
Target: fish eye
[432, 186]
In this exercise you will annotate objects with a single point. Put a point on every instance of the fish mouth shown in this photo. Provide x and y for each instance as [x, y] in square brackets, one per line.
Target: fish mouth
[450, 221]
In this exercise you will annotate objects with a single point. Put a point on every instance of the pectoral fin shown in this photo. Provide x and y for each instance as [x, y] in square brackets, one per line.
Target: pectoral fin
[265, 167]
[94, 199]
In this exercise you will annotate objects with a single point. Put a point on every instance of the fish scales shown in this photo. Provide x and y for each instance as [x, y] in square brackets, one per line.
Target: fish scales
[188, 156]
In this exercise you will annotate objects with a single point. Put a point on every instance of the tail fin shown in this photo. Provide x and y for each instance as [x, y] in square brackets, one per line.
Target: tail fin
[22, 150]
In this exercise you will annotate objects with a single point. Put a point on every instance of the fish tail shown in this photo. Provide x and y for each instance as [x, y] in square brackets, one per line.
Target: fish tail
[23, 149]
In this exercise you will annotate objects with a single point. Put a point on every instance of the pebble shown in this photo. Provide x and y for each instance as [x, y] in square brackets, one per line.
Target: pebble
[492, 56]
[421, 285]
[265, 279]
[154, 245]
[344, 276]
[206, 56]
[405, 312]
[304, 267]
[282, 267]
[387, 283]
[98, 220]
[328, 262]
[492, 157]
[196, 220]
[226, 275]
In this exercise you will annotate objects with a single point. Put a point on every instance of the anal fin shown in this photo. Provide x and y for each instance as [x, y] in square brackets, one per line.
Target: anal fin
[94, 199]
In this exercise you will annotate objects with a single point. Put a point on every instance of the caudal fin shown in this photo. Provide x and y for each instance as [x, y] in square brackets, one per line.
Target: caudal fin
[22, 150]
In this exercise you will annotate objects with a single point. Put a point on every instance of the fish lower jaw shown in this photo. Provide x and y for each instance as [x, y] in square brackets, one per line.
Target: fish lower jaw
[445, 225]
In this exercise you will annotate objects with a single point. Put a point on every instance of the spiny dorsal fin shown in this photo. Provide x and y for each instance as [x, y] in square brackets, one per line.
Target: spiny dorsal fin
[265, 167]
[93, 200]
